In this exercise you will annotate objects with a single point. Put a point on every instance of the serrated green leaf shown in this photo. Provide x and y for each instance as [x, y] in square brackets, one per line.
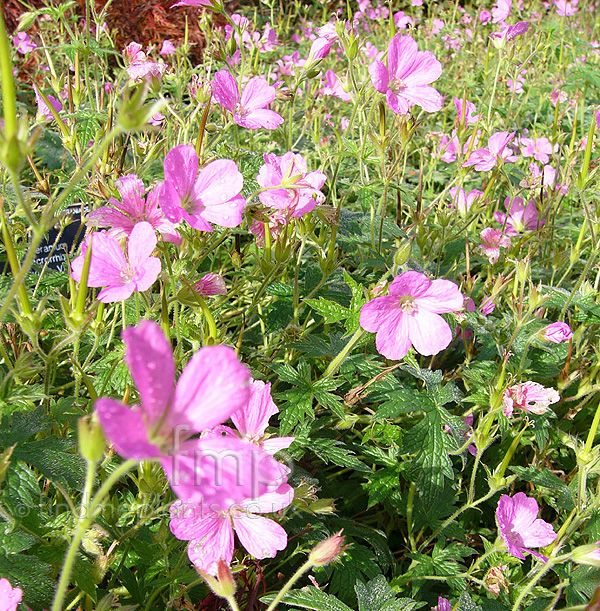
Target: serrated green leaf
[280, 289]
[330, 311]
[22, 425]
[310, 597]
[376, 595]
[30, 574]
[330, 450]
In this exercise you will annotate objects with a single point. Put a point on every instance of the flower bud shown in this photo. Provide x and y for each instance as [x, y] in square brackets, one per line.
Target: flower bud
[327, 551]
[223, 585]
[587, 554]
[495, 580]
[91, 438]
[402, 255]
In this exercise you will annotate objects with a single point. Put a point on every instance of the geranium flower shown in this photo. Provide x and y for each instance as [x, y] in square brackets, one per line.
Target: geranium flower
[564, 8]
[538, 148]
[405, 80]
[465, 111]
[211, 284]
[520, 527]
[134, 209]
[168, 48]
[201, 198]
[139, 67]
[298, 189]
[333, 87]
[23, 43]
[463, 201]
[250, 110]
[409, 315]
[42, 107]
[519, 218]
[484, 159]
[557, 332]
[210, 531]
[493, 241]
[110, 268]
[501, 10]
[9, 597]
[530, 397]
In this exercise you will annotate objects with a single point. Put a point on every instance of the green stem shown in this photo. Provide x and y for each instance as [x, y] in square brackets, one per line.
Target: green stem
[294, 578]
[9, 95]
[525, 591]
[343, 355]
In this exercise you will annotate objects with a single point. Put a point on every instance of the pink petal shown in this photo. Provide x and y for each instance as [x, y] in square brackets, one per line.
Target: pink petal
[253, 418]
[147, 274]
[226, 214]
[261, 537]
[428, 98]
[410, 283]
[428, 332]
[213, 385]
[216, 545]
[379, 76]
[181, 169]
[257, 94]
[379, 312]
[141, 244]
[270, 502]
[119, 292]
[109, 217]
[398, 103]
[218, 182]
[192, 521]
[225, 90]
[426, 69]
[149, 357]
[170, 201]
[393, 341]
[275, 444]
[402, 56]
[441, 296]
[256, 119]
[126, 429]
[539, 534]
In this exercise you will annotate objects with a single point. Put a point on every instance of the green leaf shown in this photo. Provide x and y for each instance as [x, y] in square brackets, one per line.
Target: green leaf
[15, 541]
[384, 485]
[310, 597]
[30, 574]
[280, 289]
[330, 311]
[23, 425]
[403, 401]
[466, 603]
[330, 450]
[376, 595]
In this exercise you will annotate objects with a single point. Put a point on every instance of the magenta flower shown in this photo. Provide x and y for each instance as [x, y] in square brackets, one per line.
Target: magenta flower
[119, 274]
[23, 44]
[538, 148]
[251, 109]
[463, 201]
[493, 241]
[168, 48]
[557, 332]
[410, 315]
[501, 10]
[564, 8]
[405, 80]
[519, 218]
[333, 87]
[465, 111]
[42, 107]
[134, 209]
[443, 605]
[448, 148]
[208, 3]
[298, 189]
[520, 528]
[139, 67]
[488, 305]
[484, 159]
[201, 198]
[211, 284]
[9, 597]
[210, 531]
[530, 397]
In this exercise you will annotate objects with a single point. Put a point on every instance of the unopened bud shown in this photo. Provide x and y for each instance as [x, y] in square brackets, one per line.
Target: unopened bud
[91, 438]
[402, 255]
[327, 551]
[587, 554]
[223, 584]
[495, 580]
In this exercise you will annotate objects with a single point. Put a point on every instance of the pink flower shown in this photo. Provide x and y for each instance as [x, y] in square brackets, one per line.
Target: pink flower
[211, 284]
[333, 87]
[406, 79]
[485, 17]
[250, 110]
[42, 108]
[208, 3]
[9, 597]
[465, 111]
[557, 332]
[487, 306]
[319, 49]
[132, 210]
[139, 67]
[564, 8]
[493, 241]
[484, 159]
[501, 11]
[443, 605]
[23, 44]
[168, 48]
[519, 218]
[530, 397]
[210, 530]
[409, 315]
[520, 527]
[299, 189]
[463, 201]
[538, 148]
[110, 268]
[201, 198]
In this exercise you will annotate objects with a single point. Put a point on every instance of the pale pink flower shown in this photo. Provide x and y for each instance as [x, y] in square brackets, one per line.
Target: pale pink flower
[210, 530]
[517, 84]
[443, 605]
[134, 209]
[558, 96]
[333, 87]
[211, 284]
[139, 66]
[110, 268]
[485, 17]
[319, 49]
[437, 26]
[299, 189]
[448, 148]
[465, 111]
[542, 178]
[23, 44]
[488, 305]
[463, 201]
[410, 315]
[402, 20]
[211, 195]
[9, 597]
[519, 218]
[520, 528]
[538, 148]
[564, 8]
[250, 110]
[168, 48]
[557, 332]
[493, 241]
[501, 10]
[530, 397]
[405, 80]
[199, 3]
[484, 159]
